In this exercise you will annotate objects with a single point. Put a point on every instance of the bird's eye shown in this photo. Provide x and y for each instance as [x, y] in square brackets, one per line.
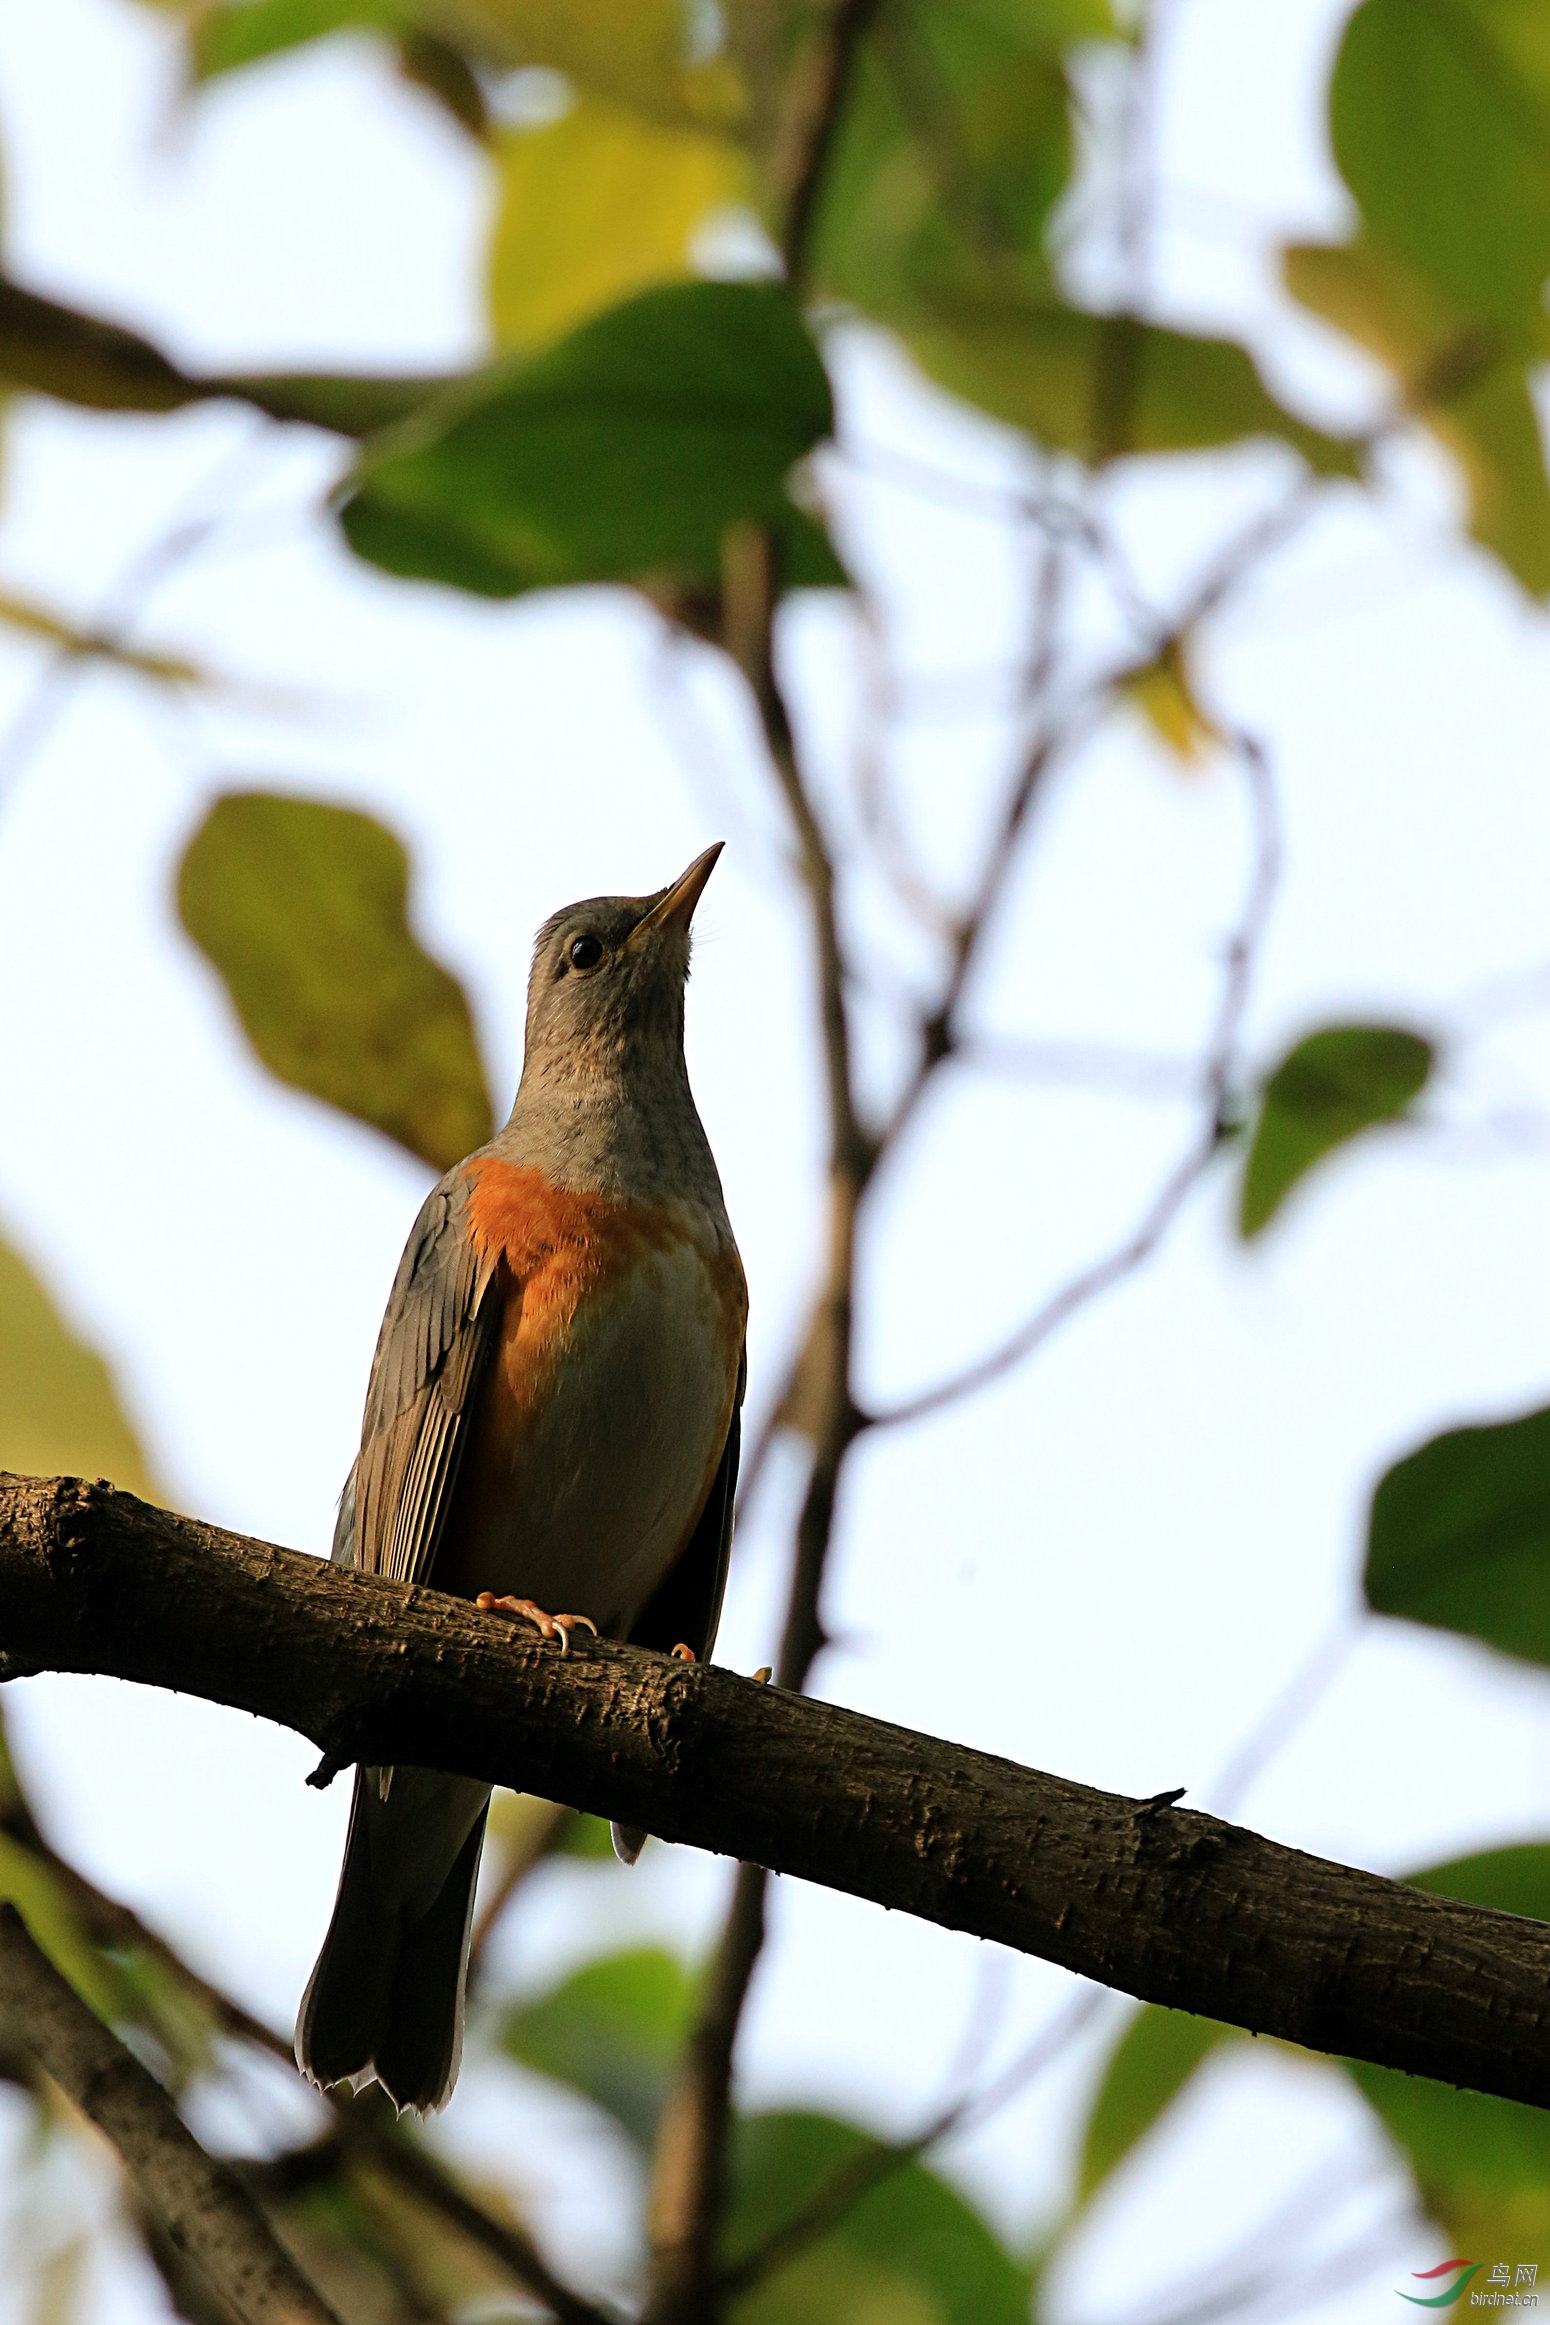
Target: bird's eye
[585, 953]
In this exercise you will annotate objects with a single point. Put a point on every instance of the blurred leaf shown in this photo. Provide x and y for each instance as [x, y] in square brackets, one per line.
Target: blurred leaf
[1511, 1880]
[1107, 386]
[637, 52]
[1459, 1537]
[1464, 378]
[955, 147]
[1481, 2165]
[588, 1837]
[43, 1904]
[612, 2031]
[224, 38]
[1155, 2056]
[593, 206]
[1331, 1086]
[622, 453]
[59, 1410]
[1440, 122]
[302, 908]
[909, 2252]
[446, 74]
[1162, 691]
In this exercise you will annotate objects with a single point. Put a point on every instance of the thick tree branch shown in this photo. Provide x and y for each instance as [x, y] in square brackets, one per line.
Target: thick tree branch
[207, 2213]
[1163, 1903]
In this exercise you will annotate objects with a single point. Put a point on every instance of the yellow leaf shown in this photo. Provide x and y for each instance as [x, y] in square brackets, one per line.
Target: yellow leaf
[595, 206]
[633, 51]
[59, 1410]
[1161, 691]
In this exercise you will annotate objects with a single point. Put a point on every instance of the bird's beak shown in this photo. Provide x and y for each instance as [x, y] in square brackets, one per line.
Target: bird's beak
[674, 908]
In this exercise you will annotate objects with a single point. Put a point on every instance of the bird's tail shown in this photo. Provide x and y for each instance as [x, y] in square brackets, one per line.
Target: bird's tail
[386, 1997]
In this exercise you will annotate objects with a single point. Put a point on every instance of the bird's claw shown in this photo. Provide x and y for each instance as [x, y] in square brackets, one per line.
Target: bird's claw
[550, 1626]
[683, 1654]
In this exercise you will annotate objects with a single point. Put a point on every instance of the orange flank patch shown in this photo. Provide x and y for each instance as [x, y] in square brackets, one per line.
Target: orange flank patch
[556, 1254]
[557, 1250]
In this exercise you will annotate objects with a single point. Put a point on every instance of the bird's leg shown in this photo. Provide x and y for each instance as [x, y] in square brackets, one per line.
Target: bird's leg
[552, 1626]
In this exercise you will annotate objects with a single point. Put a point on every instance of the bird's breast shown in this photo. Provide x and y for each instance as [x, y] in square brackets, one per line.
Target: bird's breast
[608, 1396]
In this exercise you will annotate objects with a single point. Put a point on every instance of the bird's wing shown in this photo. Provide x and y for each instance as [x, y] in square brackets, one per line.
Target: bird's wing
[685, 1607]
[431, 1352]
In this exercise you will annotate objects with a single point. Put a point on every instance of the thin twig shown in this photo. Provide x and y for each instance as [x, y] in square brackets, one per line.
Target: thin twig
[1285, 1714]
[688, 2183]
[871, 2166]
[120, 608]
[546, 1828]
[1137, 1247]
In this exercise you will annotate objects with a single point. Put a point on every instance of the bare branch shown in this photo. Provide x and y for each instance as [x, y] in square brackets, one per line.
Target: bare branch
[1285, 1713]
[688, 2168]
[1159, 1901]
[206, 2210]
[688, 2184]
[1137, 1247]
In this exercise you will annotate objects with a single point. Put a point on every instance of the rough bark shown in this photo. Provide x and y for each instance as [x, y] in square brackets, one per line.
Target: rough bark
[1159, 1901]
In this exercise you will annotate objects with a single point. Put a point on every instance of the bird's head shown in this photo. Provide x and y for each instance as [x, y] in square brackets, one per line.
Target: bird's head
[607, 986]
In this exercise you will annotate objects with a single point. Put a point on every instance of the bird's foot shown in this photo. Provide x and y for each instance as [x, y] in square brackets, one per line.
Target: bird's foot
[552, 1626]
[683, 1654]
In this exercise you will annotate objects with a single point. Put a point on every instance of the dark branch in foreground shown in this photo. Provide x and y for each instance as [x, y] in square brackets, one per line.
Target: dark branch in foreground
[207, 2213]
[1161, 1902]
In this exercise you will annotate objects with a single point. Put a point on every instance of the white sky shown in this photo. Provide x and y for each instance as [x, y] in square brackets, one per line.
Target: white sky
[1106, 1567]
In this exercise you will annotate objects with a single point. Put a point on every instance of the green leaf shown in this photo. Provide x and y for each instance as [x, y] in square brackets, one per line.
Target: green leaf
[910, 2251]
[612, 2031]
[40, 1898]
[623, 452]
[302, 908]
[1481, 2165]
[1510, 1880]
[1465, 379]
[593, 206]
[1440, 122]
[1105, 387]
[1440, 119]
[1334, 1084]
[349, 404]
[588, 1837]
[1459, 1536]
[955, 146]
[1155, 2057]
[60, 1413]
[223, 39]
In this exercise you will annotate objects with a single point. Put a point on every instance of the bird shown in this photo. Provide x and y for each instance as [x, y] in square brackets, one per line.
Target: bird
[551, 1429]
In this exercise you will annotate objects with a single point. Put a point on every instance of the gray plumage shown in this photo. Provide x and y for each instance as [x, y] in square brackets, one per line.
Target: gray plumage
[638, 1409]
